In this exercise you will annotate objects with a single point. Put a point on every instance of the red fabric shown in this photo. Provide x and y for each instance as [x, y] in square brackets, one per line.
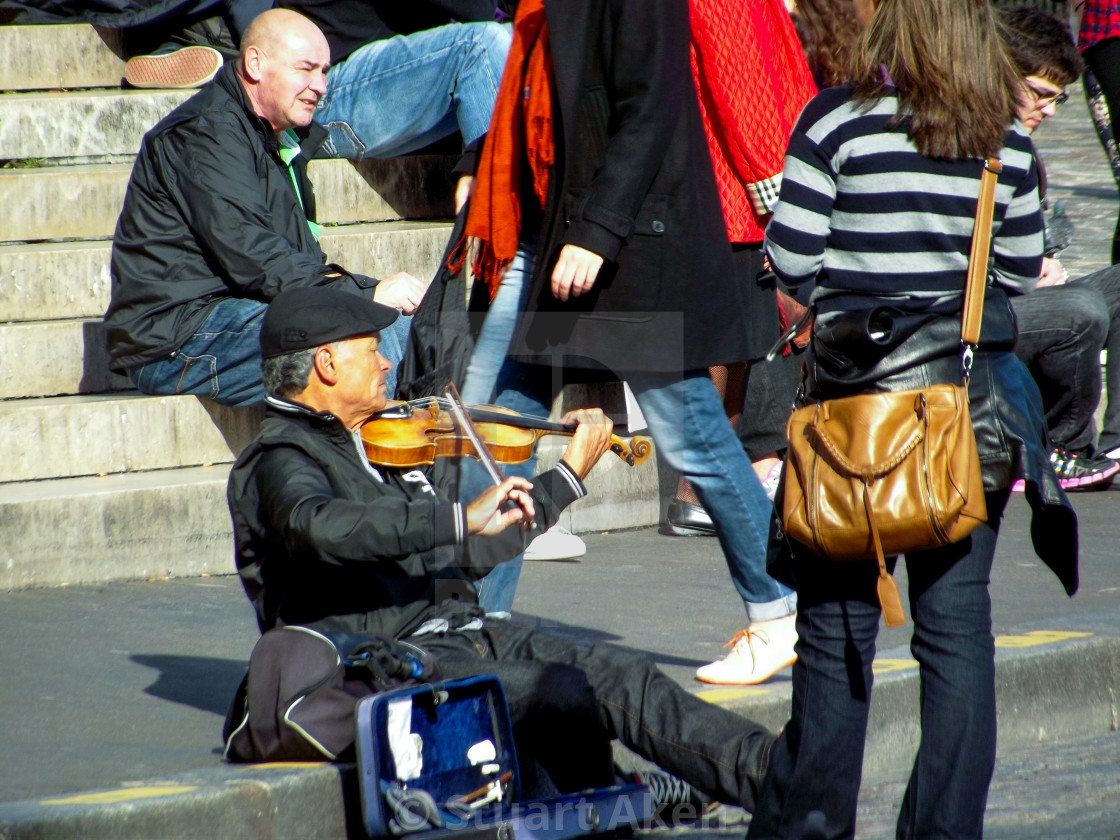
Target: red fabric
[752, 80]
[520, 128]
[1100, 19]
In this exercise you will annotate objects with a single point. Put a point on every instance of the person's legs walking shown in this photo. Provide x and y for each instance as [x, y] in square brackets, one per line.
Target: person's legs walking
[817, 762]
[953, 643]
[400, 94]
[690, 429]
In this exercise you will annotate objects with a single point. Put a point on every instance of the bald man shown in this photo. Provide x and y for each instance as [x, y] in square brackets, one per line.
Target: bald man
[219, 218]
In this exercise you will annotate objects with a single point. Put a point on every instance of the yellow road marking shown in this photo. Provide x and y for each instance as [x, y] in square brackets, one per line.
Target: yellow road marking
[111, 797]
[889, 666]
[718, 695]
[1037, 637]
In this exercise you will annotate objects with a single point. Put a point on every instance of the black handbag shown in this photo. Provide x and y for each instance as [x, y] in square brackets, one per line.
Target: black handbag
[443, 331]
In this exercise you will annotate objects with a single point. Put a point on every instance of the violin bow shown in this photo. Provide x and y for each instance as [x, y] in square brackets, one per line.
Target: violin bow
[464, 421]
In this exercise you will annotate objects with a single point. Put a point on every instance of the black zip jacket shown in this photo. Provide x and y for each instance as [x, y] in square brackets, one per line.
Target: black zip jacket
[211, 212]
[324, 539]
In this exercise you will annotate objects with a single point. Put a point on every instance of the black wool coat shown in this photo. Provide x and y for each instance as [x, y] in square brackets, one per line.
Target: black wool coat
[632, 182]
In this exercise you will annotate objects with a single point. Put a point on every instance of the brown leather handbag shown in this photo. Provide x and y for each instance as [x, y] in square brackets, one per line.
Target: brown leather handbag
[874, 475]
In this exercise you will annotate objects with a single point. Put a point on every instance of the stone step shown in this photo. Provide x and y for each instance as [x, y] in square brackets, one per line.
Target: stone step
[75, 124]
[60, 280]
[84, 201]
[66, 437]
[175, 523]
[59, 56]
[119, 527]
[49, 358]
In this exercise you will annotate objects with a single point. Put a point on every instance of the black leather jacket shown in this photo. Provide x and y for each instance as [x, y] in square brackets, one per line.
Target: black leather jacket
[210, 213]
[324, 539]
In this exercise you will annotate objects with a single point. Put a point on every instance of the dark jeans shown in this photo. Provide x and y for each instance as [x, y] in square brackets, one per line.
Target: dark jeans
[816, 764]
[569, 700]
[1107, 282]
[1061, 332]
[771, 389]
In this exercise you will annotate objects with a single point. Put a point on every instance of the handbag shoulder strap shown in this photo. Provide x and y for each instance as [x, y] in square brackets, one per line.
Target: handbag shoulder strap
[978, 257]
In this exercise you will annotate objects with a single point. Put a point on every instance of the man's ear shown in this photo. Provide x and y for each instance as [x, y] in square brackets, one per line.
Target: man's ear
[325, 367]
[252, 63]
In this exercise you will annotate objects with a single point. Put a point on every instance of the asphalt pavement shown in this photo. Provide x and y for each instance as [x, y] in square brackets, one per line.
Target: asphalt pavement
[113, 696]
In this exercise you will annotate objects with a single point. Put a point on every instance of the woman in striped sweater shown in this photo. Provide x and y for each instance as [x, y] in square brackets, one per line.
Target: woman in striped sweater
[876, 208]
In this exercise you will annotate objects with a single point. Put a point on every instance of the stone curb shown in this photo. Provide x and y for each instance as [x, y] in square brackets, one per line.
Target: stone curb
[1060, 690]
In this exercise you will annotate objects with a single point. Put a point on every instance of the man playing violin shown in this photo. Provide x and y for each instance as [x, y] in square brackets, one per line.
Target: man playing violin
[327, 540]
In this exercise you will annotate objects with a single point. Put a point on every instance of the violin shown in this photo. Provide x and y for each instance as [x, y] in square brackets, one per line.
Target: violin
[413, 434]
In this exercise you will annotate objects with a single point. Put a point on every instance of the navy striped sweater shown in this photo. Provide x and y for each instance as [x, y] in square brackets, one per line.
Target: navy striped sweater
[875, 222]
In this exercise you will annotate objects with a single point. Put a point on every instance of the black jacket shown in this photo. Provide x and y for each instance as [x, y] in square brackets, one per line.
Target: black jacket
[324, 539]
[210, 213]
[632, 182]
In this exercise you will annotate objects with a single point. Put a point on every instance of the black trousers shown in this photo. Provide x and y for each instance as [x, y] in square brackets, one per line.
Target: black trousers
[568, 701]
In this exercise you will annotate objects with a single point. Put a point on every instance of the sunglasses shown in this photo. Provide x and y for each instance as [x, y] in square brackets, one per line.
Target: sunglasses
[1048, 97]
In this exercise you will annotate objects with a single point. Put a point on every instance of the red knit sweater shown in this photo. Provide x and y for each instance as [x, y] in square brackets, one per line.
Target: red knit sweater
[752, 80]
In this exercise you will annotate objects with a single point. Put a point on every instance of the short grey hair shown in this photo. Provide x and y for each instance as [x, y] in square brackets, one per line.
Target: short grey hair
[287, 375]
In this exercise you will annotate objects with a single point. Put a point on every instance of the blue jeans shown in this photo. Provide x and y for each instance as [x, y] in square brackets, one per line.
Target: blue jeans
[222, 360]
[817, 762]
[400, 94]
[689, 426]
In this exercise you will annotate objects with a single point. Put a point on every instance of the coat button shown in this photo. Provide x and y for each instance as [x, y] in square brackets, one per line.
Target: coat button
[658, 226]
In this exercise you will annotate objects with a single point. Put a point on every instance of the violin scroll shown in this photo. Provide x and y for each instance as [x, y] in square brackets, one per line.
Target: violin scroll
[636, 453]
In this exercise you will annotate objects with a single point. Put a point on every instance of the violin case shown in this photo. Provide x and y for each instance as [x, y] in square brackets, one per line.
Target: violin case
[438, 761]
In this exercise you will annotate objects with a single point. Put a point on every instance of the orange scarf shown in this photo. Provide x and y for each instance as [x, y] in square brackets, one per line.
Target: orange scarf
[520, 128]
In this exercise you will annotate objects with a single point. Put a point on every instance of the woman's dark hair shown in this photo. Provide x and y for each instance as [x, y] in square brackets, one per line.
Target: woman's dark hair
[828, 30]
[955, 83]
[1040, 44]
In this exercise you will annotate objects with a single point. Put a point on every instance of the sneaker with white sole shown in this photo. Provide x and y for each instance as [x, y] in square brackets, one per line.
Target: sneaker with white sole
[757, 653]
[189, 67]
[556, 543]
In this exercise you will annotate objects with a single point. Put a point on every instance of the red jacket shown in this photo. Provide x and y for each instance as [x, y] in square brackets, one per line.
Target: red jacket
[752, 80]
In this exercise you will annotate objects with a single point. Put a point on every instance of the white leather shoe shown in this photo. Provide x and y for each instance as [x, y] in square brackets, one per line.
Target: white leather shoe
[757, 653]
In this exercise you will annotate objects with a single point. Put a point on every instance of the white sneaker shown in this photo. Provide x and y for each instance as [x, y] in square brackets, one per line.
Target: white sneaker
[757, 653]
[555, 544]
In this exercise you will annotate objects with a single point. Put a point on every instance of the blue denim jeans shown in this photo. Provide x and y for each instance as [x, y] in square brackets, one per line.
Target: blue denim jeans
[222, 360]
[688, 425]
[817, 762]
[400, 94]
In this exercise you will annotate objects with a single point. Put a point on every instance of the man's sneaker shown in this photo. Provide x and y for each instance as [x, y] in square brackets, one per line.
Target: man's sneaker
[757, 653]
[189, 67]
[683, 519]
[555, 544]
[1088, 472]
[674, 800]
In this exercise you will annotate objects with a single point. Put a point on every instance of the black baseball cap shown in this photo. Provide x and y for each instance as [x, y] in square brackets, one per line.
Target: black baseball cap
[307, 316]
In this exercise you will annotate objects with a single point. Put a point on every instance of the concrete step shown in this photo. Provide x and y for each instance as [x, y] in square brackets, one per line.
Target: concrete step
[84, 201]
[49, 358]
[84, 123]
[59, 280]
[65, 437]
[175, 522]
[59, 56]
[132, 526]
